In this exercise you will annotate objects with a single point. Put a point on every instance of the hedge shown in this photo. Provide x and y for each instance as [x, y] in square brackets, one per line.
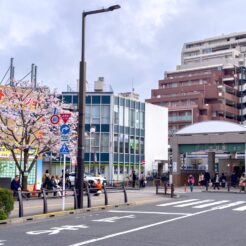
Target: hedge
[6, 203]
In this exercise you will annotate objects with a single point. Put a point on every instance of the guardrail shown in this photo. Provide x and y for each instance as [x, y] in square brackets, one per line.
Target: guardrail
[44, 195]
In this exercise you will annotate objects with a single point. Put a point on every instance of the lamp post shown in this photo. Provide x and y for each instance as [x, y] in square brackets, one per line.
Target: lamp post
[81, 107]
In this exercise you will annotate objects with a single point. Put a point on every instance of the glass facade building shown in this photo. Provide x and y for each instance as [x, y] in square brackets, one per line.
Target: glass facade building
[115, 147]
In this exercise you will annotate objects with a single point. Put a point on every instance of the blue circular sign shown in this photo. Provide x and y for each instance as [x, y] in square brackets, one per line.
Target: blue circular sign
[65, 129]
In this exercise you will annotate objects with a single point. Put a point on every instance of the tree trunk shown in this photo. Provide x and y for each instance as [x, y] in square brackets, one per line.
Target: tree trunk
[24, 181]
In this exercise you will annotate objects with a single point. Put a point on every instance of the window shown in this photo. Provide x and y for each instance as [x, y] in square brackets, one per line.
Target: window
[126, 144]
[132, 118]
[87, 114]
[95, 114]
[137, 123]
[105, 142]
[141, 120]
[67, 99]
[105, 114]
[116, 143]
[126, 116]
[116, 115]
[121, 116]
[142, 146]
[121, 143]
[132, 143]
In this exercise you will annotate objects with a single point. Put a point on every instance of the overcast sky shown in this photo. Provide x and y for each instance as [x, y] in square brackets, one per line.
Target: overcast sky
[130, 46]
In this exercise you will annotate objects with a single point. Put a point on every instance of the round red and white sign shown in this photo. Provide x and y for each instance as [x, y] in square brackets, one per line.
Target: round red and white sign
[54, 119]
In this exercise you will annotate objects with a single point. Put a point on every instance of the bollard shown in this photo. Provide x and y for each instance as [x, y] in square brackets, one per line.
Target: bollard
[105, 195]
[172, 190]
[156, 191]
[88, 196]
[45, 208]
[228, 188]
[75, 198]
[165, 188]
[125, 195]
[20, 204]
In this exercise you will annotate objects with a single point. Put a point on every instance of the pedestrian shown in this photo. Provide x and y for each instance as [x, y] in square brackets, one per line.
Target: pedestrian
[233, 180]
[191, 182]
[216, 181]
[201, 179]
[206, 179]
[134, 178]
[223, 180]
[142, 180]
[15, 185]
[242, 182]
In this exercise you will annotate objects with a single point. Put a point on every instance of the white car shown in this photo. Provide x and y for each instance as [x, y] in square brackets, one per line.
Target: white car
[87, 177]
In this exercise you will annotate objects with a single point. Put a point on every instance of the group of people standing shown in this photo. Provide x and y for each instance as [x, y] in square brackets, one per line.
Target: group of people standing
[217, 181]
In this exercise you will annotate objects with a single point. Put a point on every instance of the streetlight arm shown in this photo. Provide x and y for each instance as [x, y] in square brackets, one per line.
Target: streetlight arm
[111, 8]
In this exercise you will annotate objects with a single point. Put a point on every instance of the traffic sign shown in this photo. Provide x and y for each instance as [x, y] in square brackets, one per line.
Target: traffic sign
[65, 129]
[54, 119]
[65, 138]
[64, 149]
[65, 117]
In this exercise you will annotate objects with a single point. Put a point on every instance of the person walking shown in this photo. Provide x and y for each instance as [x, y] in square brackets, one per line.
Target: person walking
[216, 181]
[142, 180]
[201, 179]
[206, 179]
[134, 178]
[15, 185]
[191, 181]
[242, 182]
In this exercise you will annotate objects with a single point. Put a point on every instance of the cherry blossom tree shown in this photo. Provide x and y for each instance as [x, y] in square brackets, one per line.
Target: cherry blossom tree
[25, 127]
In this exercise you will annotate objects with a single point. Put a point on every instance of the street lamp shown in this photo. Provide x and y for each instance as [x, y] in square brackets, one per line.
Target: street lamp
[81, 106]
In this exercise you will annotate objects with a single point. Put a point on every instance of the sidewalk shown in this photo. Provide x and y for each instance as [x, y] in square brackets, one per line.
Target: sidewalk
[135, 197]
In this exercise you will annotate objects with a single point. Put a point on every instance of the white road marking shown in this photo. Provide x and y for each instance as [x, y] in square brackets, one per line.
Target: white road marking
[229, 205]
[145, 212]
[174, 203]
[2, 242]
[137, 229]
[56, 230]
[192, 203]
[243, 208]
[211, 204]
[115, 218]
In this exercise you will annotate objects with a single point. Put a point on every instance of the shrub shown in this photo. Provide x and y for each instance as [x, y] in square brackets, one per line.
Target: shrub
[6, 203]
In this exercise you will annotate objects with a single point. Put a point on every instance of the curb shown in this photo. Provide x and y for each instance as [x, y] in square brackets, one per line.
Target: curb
[224, 192]
[39, 217]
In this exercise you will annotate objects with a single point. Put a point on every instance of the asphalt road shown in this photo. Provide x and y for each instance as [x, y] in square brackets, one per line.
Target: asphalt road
[193, 219]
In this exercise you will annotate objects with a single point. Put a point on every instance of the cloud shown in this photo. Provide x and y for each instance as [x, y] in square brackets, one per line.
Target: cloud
[130, 46]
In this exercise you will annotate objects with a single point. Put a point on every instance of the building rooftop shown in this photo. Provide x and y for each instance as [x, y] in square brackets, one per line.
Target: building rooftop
[212, 126]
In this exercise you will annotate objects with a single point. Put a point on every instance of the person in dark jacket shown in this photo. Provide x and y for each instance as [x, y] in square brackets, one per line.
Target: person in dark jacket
[233, 180]
[206, 179]
[134, 178]
[223, 180]
[15, 185]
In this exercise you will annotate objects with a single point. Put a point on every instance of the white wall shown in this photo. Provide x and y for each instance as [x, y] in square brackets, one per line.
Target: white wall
[156, 135]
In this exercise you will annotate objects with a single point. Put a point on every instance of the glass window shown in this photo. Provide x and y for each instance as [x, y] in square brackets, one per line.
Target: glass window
[116, 114]
[95, 114]
[121, 143]
[137, 119]
[116, 100]
[126, 116]
[95, 99]
[75, 99]
[142, 145]
[137, 145]
[126, 144]
[105, 142]
[141, 120]
[105, 99]
[88, 100]
[115, 169]
[67, 99]
[132, 145]
[105, 114]
[116, 143]
[87, 114]
[132, 118]
[121, 116]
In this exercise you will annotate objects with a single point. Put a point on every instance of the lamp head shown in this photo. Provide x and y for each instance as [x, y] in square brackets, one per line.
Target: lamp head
[113, 7]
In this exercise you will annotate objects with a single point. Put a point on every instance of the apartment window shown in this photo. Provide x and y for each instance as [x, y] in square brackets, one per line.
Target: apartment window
[121, 116]
[95, 114]
[121, 143]
[126, 117]
[105, 142]
[116, 114]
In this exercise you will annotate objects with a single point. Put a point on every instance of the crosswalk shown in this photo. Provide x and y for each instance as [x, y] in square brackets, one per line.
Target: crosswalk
[238, 206]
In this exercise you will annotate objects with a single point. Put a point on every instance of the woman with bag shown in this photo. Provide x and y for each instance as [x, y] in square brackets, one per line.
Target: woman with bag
[191, 182]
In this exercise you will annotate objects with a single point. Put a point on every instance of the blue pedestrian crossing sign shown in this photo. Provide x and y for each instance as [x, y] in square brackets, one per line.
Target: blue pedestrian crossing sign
[64, 149]
[65, 129]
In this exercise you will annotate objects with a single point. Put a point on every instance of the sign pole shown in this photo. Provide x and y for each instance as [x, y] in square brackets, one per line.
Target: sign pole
[63, 183]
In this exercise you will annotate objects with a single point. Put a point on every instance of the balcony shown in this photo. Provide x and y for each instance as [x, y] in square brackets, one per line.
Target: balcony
[179, 118]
